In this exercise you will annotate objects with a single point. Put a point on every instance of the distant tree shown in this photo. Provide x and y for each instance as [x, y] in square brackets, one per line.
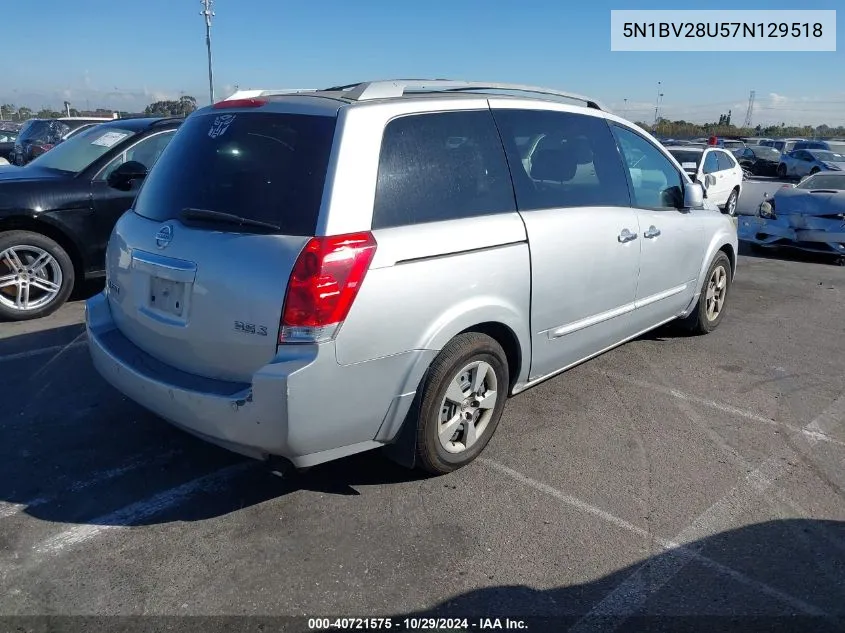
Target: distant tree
[24, 113]
[180, 107]
[74, 112]
[8, 110]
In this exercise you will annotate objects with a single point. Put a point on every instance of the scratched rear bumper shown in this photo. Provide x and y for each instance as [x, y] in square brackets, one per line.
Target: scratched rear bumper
[303, 406]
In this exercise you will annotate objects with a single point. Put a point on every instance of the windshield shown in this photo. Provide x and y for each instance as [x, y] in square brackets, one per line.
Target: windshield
[685, 156]
[264, 167]
[766, 152]
[79, 151]
[828, 156]
[824, 181]
[44, 131]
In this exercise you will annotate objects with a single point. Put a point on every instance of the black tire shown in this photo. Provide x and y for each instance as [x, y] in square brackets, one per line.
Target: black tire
[731, 201]
[698, 321]
[21, 240]
[461, 351]
[814, 171]
[781, 171]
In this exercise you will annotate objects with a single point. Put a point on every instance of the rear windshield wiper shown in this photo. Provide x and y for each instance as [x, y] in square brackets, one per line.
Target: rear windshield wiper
[190, 213]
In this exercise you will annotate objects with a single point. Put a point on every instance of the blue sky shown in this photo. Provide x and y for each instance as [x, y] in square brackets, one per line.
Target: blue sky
[122, 54]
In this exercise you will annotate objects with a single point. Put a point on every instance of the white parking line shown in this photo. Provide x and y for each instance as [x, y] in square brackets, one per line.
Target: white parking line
[94, 479]
[671, 548]
[631, 594]
[807, 431]
[43, 350]
[137, 512]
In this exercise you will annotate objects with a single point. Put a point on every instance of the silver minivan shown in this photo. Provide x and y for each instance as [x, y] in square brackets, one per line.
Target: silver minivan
[307, 276]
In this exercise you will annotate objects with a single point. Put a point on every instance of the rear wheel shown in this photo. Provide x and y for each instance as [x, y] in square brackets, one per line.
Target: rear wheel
[36, 276]
[730, 205]
[462, 402]
[711, 305]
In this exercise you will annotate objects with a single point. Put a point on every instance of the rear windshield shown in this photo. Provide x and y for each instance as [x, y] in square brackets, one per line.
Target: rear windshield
[267, 167]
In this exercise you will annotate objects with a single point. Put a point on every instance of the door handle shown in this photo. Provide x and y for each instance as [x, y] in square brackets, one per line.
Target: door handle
[653, 231]
[626, 236]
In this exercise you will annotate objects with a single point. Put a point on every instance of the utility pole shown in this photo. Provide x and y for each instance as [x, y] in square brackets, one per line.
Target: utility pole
[208, 13]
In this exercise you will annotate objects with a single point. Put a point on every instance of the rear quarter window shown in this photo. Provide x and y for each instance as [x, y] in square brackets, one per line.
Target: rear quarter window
[269, 167]
[441, 166]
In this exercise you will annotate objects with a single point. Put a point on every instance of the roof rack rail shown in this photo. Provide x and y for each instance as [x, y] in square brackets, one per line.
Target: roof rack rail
[386, 89]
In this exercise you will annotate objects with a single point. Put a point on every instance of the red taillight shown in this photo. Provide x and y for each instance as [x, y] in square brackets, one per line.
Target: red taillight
[323, 284]
[240, 103]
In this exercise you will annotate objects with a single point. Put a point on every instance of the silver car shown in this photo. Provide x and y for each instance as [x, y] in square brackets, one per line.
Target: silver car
[307, 276]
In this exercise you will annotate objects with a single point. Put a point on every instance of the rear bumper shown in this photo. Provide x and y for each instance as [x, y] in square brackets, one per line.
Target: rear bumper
[304, 407]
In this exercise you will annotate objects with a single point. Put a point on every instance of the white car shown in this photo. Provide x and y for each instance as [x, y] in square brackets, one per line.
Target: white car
[716, 169]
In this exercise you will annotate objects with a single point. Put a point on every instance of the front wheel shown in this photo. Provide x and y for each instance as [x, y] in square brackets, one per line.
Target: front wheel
[710, 309]
[814, 171]
[36, 276]
[781, 171]
[462, 402]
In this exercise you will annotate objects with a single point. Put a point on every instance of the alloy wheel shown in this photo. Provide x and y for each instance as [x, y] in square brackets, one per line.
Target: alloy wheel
[467, 407]
[30, 278]
[717, 288]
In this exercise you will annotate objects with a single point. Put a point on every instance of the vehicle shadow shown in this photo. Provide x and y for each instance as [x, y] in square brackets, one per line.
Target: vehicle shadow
[76, 451]
[783, 575]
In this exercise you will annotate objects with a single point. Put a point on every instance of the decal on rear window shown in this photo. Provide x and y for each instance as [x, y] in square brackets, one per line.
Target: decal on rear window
[109, 138]
[220, 125]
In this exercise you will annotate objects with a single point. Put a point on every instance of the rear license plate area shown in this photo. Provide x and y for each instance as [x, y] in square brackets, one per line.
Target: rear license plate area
[167, 296]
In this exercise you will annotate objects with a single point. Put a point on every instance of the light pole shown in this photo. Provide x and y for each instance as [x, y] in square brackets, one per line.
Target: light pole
[208, 13]
[625, 108]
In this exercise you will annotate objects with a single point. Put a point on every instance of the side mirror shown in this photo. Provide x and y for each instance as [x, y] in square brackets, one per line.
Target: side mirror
[693, 196]
[122, 177]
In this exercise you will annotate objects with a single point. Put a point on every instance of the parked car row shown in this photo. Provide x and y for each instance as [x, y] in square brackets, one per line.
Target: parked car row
[38, 136]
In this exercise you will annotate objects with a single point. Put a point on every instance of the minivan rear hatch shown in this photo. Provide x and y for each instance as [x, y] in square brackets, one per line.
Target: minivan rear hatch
[197, 274]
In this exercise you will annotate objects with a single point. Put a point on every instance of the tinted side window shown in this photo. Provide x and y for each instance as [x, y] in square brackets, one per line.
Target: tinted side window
[725, 161]
[711, 163]
[655, 182]
[570, 161]
[441, 166]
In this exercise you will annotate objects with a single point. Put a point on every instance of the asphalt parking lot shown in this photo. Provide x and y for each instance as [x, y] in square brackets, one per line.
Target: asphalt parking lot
[673, 476]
